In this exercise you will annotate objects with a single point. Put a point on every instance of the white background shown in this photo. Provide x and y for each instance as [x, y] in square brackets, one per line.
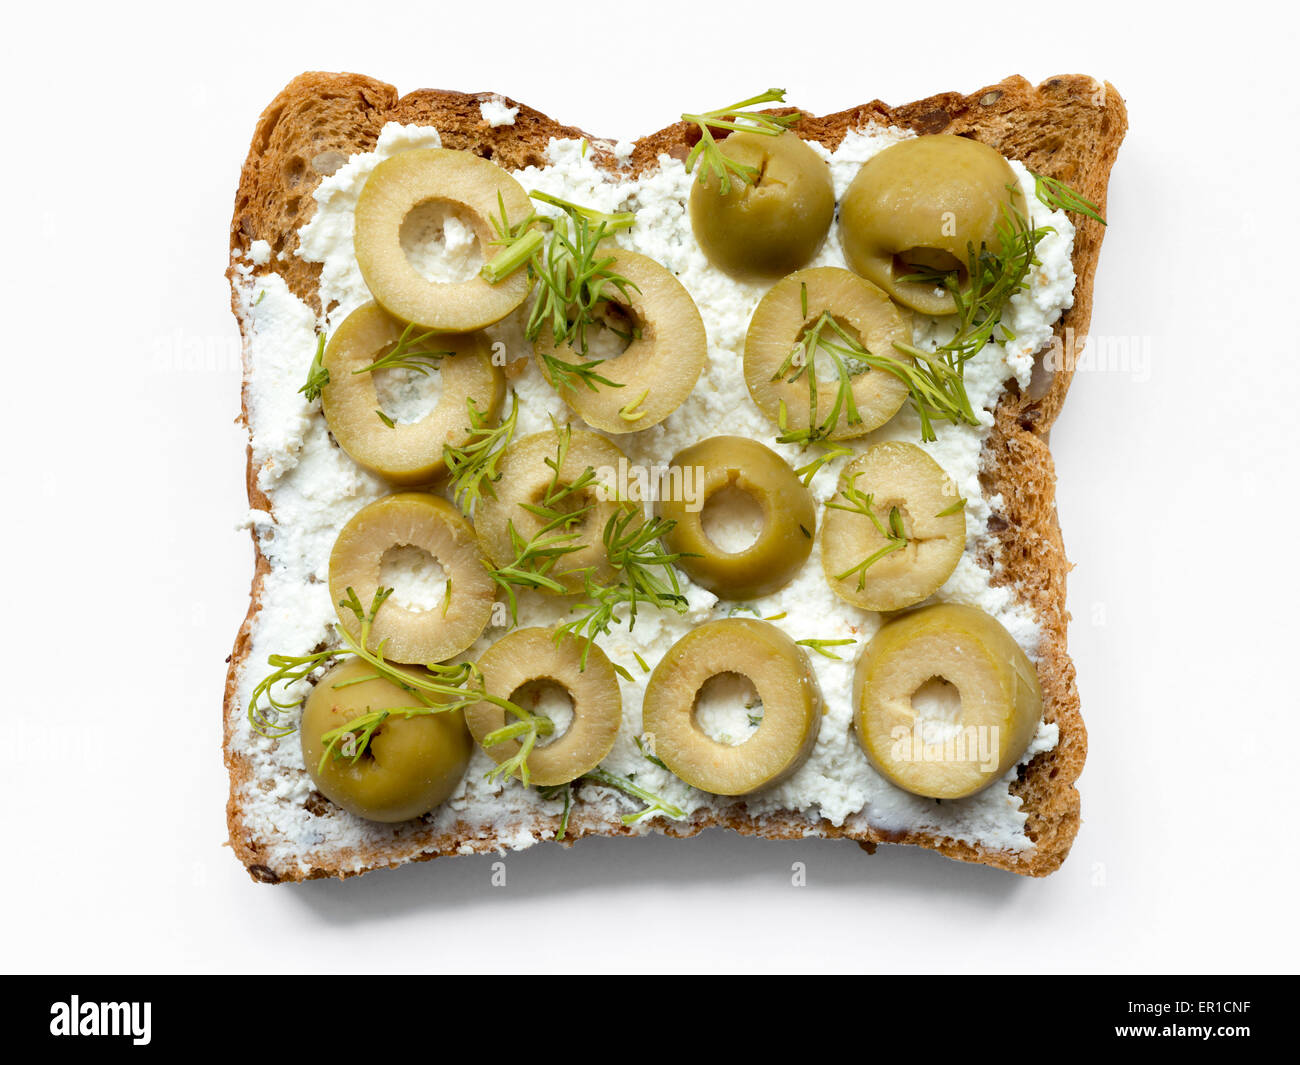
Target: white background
[126, 578]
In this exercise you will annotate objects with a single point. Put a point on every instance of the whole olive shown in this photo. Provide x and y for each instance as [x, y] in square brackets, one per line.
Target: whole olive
[921, 205]
[776, 223]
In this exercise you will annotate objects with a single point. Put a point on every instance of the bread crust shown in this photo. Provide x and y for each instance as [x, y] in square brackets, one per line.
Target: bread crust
[1069, 127]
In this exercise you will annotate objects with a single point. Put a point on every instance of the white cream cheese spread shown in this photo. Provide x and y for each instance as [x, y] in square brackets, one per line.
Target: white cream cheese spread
[314, 488]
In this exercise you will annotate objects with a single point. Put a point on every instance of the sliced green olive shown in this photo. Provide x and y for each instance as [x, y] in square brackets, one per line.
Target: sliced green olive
[945, 701]
[528, 480]
[782, 676]
[432, 524]
[788, 517]
[459, 365]
[407, 181]
[410, 765]
[656, 372]
[867, 562]
[777, 223]
[782, 321]
[922, 204]
[526, 656]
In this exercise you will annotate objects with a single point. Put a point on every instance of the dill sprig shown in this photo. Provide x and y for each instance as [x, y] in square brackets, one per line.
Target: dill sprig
[830, 451]
[993, 276]
[536, 558]
[934, 385]
[655, 804]
[409, 354]
[708, 152]
[857, 501]
[823, 647]
[574, 280]
[473, 467]
[317, 376]
[1059, 196]
[445, 688]
[633, 548]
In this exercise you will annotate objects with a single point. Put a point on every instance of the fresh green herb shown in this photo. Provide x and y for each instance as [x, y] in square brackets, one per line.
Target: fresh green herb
[993, 277]
[557, 791]
[317, 377]
[654, 803]
[439, 689]
[646, 575]
[386, 419]
[622, 671]
[641, 662]
[1059, 196]
[830, 451]
[446, 599]
[863, 503]
[525, 730]
[555, 537]
[956, 508]
[934, 385]
[648, 754]
[473, 466]
[776, 617]
[822, 647]
[409, 354]
[260, 297]
[575, 282]
[743, 608]
[708, 152]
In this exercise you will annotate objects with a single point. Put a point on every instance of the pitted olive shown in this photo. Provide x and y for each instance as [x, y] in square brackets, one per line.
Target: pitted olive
[777, 223]
[529, 481]
[656, 372]
[787, 517]
[408, 181]
[781, 323]
[410, 765]
[459, 367]
[922, 204]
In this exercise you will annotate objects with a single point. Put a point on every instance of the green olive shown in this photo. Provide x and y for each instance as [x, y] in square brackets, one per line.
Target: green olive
[430, 523]
[777, 223]
[410, 765]
[528, 480]
[656, 372]
[527, 656]
[782, 676]
[945, 702]
[923, 203]
[782, 320]
[410, 180]
[724, 464]
[406, 452]
[901, 480]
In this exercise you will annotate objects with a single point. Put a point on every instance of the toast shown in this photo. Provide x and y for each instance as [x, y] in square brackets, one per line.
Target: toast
[1069, 128]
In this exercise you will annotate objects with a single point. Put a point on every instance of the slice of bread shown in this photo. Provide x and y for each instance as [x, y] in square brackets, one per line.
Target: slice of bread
[1069, 127]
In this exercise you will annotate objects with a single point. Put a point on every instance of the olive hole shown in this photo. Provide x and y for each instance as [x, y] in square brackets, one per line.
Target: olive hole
[929, 261]
[441, 241]
[407, 394]
[548, 699]
[617, 326]
[732, 519]
[937, 706]
[728, 709]
[417, 580]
